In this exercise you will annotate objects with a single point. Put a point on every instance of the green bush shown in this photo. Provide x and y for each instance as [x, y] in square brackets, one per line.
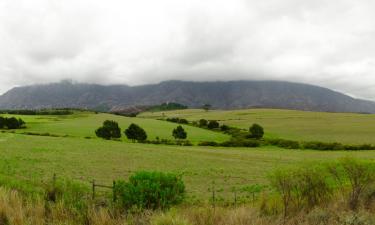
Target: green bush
[203, 123]
[213, 124]
[150, 190]
[179, 133]
[239, 142]
[288, 144]
[208, 143]
[256, 131]
[135, 133]
[11, 123]
[110, 129]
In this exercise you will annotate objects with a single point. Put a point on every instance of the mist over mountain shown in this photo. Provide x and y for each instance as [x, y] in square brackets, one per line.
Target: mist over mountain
[221, 95]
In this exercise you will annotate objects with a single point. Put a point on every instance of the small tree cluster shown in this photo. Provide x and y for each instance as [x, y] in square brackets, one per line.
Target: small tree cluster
[135, 133]
[213, 124]
[11, 123]
[179, 133]
[109, 130]
[203, 123]
[256, 131]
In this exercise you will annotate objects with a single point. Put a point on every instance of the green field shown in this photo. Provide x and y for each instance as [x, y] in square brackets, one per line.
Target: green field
[33, 159]
[345, 128]
[85, 124]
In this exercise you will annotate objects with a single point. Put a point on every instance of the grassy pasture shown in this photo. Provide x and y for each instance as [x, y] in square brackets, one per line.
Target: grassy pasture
[34, 158]
[345, 128]
[84, 125]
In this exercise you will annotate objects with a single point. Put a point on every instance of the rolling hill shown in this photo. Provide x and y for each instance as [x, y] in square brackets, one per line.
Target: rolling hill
[221, 95]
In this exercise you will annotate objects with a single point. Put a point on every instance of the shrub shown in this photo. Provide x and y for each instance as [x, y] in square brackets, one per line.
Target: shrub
[179, 133]
[212, 124]
[359, 175]
[110, 129]
[224, 128]
[203, 123]
[239, 142]
[256, 131]
[135, 132]
[288, 144]
[11, 123]
[208, 143]
[150, 190]
[183, 121]
[2, 122]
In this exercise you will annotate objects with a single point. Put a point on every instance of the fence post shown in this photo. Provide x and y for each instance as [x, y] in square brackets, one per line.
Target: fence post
[54, 181]
[213, 194]
[114, 191]
[235, 197]
[93, 189]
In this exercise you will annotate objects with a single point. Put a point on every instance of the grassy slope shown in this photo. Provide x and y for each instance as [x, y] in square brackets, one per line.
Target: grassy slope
[296, 125]
[35, 158]
[85, 124]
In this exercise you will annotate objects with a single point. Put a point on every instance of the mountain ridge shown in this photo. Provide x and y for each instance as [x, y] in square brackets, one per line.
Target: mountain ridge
[220, 94]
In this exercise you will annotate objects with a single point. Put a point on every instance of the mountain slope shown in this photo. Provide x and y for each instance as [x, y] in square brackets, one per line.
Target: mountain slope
[222, 95]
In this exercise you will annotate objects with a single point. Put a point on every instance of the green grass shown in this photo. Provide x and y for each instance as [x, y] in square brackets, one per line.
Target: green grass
[34, 159]
[27, 161]
[346, 128]
[85, 124]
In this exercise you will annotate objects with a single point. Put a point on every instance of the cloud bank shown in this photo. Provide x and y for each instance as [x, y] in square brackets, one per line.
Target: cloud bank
[327, 43]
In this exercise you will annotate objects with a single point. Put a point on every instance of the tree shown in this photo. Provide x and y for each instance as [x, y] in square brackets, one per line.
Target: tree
[202, 122]
[110, 129]
[135, 133]
[213, 124]
[12, 123]
[179, 133]
[113, 128]
[2, 122]
[206, 107]
[256, 131]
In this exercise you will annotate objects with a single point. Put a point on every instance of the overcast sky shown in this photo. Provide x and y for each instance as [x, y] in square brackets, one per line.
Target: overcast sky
[328, 43]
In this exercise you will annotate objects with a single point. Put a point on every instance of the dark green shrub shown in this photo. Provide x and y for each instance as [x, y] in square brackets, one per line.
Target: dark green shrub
[135, 133]
[323, 146]
[203, 123]
[288, 144]
[2, 122]
[150, 190]
[238, 142]
[213, 124]
[208, 143]
[256, 131]
[224, 128]
[14, 123]
[183, 121]
[110, 129]
[179, 133]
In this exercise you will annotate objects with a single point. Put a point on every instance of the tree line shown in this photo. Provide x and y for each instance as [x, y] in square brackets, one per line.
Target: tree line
[11, 123]
[111, 130]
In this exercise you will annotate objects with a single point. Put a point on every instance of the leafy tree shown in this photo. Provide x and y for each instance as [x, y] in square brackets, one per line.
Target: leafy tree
[113, 128]
[203, 122]
[206, 107]
[135, 133]
[110, 129]
[256, 131]
[179, 133]
[12, 123]
[103, 133]
[224, 127]
[213, 124]
[2, 122]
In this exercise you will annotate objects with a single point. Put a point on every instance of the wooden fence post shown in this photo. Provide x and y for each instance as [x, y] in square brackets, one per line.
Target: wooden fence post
[114, 191]
[213, 194]
[93, 189]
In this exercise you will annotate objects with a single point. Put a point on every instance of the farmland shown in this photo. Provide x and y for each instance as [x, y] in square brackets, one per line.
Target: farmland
[28, 159]
[348, 128]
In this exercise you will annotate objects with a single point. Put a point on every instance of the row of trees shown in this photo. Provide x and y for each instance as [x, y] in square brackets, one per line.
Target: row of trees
[11, 123]
[111, 130]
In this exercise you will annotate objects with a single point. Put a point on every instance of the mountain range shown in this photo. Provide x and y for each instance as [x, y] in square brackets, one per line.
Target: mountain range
[220, 95]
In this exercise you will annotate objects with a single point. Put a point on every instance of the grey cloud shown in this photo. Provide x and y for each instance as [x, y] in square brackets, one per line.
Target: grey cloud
[328, 43]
